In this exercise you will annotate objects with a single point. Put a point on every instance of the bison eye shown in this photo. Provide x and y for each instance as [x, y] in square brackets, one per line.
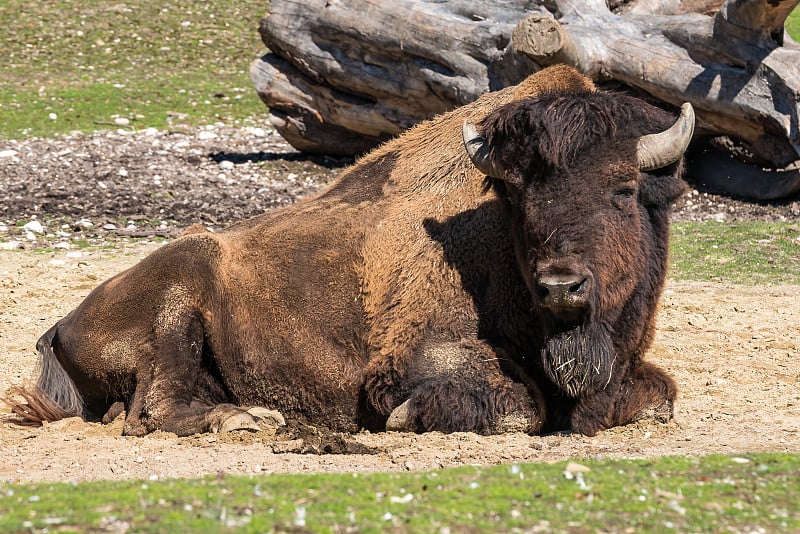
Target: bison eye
[624, 195]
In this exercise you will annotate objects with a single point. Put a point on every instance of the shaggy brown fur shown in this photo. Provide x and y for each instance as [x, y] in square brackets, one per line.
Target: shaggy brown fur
[407, 280]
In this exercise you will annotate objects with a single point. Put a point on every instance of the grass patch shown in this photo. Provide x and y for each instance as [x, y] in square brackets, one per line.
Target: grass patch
[715, 493]
[793, 24]
[741, 253]
[153, 63]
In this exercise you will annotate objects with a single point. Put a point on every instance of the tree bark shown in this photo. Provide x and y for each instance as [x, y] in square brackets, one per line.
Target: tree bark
[344, 75]
[738, 69]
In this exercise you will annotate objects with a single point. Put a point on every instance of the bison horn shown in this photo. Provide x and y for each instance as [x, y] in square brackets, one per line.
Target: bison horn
[478, 150]
[655, 151]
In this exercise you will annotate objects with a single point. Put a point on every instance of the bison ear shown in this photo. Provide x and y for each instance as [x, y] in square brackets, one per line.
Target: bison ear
[478, 149]
[658, 150]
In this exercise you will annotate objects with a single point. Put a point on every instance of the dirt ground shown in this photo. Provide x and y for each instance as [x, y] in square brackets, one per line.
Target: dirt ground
[732, 349]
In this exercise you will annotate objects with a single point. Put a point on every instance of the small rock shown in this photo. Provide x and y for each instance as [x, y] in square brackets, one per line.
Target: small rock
[257, 132]
[3, 228]
[62, 245]
[34, 226]
[10, 245]
[8, 153]
[123, 172]
[109, 226]
[53, 116]
[84, 223]
[226, 165]
[57, 263]
[292, 446]
[205, 135]
[30, 236]
[121, 121]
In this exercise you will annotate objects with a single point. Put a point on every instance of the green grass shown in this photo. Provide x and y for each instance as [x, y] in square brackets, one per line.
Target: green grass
[153, 63]
[156, 64]
[742, 253]
[715, 493]
[793, 24]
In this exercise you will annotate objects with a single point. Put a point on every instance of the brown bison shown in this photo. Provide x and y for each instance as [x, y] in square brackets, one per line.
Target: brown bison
[497, 267]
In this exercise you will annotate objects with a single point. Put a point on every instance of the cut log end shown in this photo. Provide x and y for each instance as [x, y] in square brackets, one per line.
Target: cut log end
[540, 37]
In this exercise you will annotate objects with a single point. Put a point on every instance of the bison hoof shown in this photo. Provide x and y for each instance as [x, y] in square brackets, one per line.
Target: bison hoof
[267, 417]
[240, 421]
[254, 419]
[398, 419]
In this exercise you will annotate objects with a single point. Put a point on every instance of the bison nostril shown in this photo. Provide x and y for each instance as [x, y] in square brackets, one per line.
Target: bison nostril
[563, 290]
[580, 287]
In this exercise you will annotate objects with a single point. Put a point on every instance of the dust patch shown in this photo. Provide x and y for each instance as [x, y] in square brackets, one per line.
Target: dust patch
[731, 349]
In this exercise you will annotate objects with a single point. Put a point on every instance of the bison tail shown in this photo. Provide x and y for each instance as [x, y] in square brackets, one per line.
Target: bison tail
[53, 397]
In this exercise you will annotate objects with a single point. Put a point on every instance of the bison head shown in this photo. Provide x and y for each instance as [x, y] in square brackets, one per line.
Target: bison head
[586, 180]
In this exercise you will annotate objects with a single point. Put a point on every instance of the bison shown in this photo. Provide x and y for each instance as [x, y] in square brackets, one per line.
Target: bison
[495, 268]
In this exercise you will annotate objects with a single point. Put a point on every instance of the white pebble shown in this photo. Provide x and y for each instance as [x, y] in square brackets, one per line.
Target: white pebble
[109, 226]
[30, 236]
[407, 498]
[57, 263]
[34, 226]
[62, 245]
[150, 131]
[74, 254]
[3, 228]
[53, 116]
[10, 245]
[8, 153]
[123, 172]
[205, 134]
[85, 223]
[121, 121]
[226, 165]
[257, 132]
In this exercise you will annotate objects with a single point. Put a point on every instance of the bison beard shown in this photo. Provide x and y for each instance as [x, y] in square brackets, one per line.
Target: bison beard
[579, 360]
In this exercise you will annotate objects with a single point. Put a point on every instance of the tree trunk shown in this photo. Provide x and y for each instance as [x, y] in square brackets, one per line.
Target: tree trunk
[344, 75]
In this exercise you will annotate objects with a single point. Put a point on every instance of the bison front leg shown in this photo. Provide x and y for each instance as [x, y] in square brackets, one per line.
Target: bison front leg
[457, 387]
[643, 392]
[453, 405]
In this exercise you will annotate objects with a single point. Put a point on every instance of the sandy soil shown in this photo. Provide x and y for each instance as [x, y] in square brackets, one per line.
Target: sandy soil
[732, 349]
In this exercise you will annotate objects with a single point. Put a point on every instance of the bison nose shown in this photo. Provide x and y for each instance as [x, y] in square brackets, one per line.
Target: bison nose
[564, 291]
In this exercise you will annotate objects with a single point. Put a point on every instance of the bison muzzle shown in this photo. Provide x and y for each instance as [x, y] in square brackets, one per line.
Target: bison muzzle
[496, 268]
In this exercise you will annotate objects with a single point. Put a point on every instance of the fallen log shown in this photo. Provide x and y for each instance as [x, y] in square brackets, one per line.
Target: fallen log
[344, 75]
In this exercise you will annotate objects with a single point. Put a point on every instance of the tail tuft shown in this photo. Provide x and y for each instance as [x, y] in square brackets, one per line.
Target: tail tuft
[36, 407]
